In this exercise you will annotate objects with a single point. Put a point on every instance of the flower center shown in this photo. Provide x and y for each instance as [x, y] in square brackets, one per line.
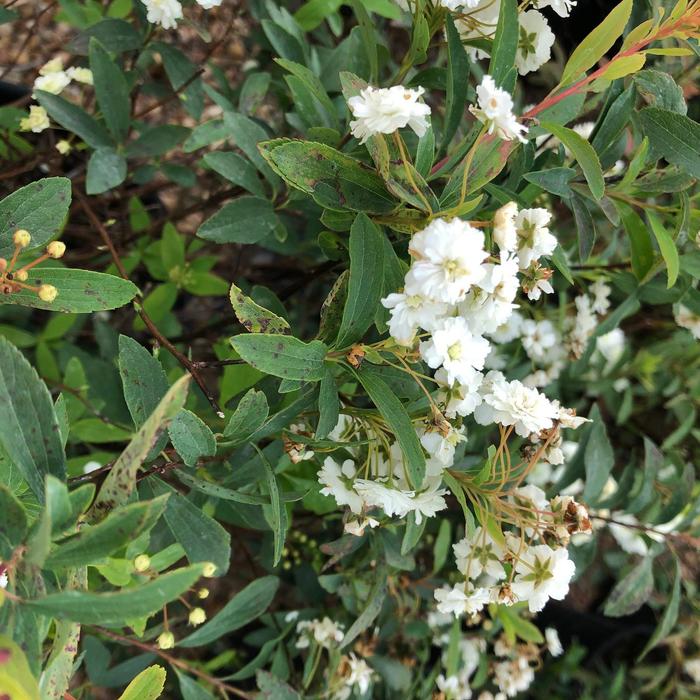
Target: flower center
[454, 352]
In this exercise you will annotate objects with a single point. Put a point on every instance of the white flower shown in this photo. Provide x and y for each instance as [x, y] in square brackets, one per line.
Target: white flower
[542, 573]
[37, 121]
[692, 668]
[535, 42]
[440, 447]
[505, 235]
[333, 476]
[452, 5]
[453, 687]
[80, 75]
[357, 527]
[409, 312]
[447, 260]
[55, 65]
[513, 403]
[163, 12]
[534, 238]
[208, 4]
[479, 554]
[611, 345]
[453, 347]
[538, 339]
[428, 503]
[324, 632]
[463, 397]
[391, 501]
[384, 110]
[54, 83]
[501, 281]
[583, 326]
[513, 677]
[360, 674]
[629, 538]
[601, 294]
[685, 318]
[4, 581]
[91, 466]
[554, 646]
[561, 7]
[510, 330]
[479, 23]
[495, 110]
[484, 312]
[458, 601]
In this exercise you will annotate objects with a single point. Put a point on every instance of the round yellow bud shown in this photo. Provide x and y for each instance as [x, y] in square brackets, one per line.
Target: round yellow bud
[197, 616]
[22, 238]
[48, 293]
[21, 275]
[56, 249]
[142, 563]
[209, 570]
[166, 640]
[203, 593]
[64, 147]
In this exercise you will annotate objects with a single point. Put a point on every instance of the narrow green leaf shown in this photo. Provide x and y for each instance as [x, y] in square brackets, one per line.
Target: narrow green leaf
[505, 45]
[667, 246]
[599, 458]
[111, 91]
[374, 605]
[640, 243]
[274, 514]
[148, 685]
[632, 591]
[457, 82]
[670, 616]
[328, 406]
[13, 525]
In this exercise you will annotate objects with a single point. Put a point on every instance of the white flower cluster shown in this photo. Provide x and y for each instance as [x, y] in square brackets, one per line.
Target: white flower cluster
[325, 633]
[384, 110]
[686, 318]
[514, 568]
[166, 13]
[479, 18]
[511, 672]
[54, 78]
[495, 110]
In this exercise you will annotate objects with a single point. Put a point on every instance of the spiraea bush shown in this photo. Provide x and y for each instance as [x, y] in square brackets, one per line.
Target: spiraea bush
[349, 349]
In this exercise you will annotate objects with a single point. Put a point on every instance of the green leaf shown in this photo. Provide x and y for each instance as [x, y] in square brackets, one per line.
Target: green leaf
[13, 525]
[246, 606]
[40, 207]
[255, 318]
[74, 119]
[275, 514]
[554, 180]
[16, 679]
[675, 136]
[236, 170]
[399, 422]
[282, 355]
[29, 431]
[365, 281]
[207, 133]
[244, 220]
[250, 414]
[640, 243]
[328, 406]
[667, 246]
[333, 179]
[597, 43]
[505, 45]
[247, 134]
[143, 379]
[157, 140]
[632, 591]
[148, 685]
[111, 91]
[118, 607]
[457, 82]
[599, 458]
[313, 12]
[116, 35]
[661, 89]
[272, 688]
[220, 492]
[106, 170]
[121, 480]
[585, 226]
[79, 291]
[374, 605]
[191, 437]
[670, 616]
[584, 154]
[94, 543]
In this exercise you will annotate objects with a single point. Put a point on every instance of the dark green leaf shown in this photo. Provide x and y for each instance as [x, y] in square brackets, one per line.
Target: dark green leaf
[457, 82]
[106, 170]
[249, 415]
[236, 170]
[111, 91]
[670, 616]
[505, 46]
[675, 136]
[191, 437]
[632, 591]
[599, 458]
[244, 220]
[74, 119]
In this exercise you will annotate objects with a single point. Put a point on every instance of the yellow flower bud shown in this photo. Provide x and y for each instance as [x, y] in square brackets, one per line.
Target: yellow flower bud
[197, 616]
[21, 275]
[48, 293]
[64, 147]
[22, 238]
[209, 570]
[203, 593]
[56, 249]
[166, 640]
[142, 563]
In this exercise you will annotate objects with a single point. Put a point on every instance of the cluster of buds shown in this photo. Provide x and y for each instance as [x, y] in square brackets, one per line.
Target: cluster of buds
[14, 280]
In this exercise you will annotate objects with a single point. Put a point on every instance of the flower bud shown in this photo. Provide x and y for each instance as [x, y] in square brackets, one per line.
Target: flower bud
[197, 616]
[21, 275]
[166, 640]
[64, 147]
[142, 563]
[56, 249]
[209, 570]
[22, 238]
[48, 293]
[203, 593]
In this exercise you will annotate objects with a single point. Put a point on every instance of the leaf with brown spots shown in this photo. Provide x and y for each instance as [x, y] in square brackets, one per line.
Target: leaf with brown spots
[254, 317]
[16, 680]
